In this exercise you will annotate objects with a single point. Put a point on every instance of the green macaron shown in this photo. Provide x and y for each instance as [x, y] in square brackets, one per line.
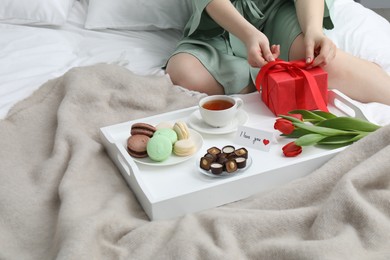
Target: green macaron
[168, 132]
[159, 148]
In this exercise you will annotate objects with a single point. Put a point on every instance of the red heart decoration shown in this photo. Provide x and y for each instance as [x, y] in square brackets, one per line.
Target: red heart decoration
[265, 141]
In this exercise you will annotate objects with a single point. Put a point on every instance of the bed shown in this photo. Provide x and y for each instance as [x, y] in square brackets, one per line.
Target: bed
[70, 67]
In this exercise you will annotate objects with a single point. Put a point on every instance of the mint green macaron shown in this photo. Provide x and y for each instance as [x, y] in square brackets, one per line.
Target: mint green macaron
[168, 132]
[159, 148]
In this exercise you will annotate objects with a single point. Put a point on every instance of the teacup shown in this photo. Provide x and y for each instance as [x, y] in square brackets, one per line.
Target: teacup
[219, 110]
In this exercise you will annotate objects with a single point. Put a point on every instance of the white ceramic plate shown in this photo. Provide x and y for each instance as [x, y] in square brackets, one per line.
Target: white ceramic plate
[225, 174]
[196, 122]
[174, 159]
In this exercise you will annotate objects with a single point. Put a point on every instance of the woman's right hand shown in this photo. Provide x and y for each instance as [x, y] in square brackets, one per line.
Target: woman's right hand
[259, 51]
[257, 44]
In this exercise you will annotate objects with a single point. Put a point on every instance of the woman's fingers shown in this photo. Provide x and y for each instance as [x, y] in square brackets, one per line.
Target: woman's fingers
[262, 55]
[309, 52]
[266, 51]
[275, 49]
[255, 58]
[323, 54]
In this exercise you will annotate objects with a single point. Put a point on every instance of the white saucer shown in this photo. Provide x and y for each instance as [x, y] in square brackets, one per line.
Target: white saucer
[196, 122]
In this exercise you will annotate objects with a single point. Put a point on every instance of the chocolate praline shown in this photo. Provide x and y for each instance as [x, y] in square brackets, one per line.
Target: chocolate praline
[231, 166]
[241, 162]
[242, 152]
[216, 168]
[205, 163]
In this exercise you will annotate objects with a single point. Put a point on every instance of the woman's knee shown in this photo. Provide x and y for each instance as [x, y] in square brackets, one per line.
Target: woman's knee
[339, 69]
[187, 71]
[297, 48]
[181, 69]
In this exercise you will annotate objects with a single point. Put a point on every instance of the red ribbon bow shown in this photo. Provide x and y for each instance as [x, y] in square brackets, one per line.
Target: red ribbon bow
[295, 69]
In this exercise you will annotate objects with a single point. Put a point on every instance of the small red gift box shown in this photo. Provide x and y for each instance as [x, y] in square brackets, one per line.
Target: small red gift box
[287, 86]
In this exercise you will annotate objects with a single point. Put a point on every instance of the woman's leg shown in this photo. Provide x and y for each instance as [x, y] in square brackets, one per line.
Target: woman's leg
[359, 79]
[187, 71]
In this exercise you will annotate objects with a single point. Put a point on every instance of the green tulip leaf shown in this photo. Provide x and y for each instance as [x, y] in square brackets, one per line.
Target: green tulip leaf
[309, 139]
[338, 140]
[360, 136]
[334, 146]
[326, 129]
[322, 130]
[291, 118]
[349, 123]
[297, 133]
[324, 114]
[308, 115]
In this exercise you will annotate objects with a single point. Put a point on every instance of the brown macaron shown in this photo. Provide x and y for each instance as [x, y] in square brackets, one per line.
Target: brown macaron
[136, 145]
[142, 129]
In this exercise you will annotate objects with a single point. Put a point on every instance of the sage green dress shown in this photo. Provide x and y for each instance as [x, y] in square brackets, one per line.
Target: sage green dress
[224, 55]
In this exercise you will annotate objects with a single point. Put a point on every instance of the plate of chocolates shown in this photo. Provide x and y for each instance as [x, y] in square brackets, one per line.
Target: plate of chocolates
[224, 162]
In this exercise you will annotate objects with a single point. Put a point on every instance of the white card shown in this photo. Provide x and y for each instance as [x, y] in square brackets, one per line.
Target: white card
[254, 138]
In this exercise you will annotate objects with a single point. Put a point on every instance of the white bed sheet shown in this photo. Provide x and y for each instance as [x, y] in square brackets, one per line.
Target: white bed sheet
[29, 56]
[365, 34]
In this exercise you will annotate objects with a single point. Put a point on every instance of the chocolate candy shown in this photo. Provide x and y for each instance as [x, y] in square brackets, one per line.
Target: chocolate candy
[214, 150]
[228, 149]
[216, 168]
[205, 163]
[241, 152]
[222, 158]
[228, 159]
[231, 166]
[211, 156]
[241, 162]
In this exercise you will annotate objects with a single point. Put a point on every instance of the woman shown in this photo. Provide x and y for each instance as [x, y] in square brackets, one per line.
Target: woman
[226, 42]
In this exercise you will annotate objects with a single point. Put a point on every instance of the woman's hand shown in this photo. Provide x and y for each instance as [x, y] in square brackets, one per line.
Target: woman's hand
[259, 51]
[320, 50]
[257, 44]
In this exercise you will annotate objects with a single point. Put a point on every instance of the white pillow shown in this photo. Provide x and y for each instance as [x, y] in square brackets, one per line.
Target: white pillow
[35, 12]
[360, 32]
[138, 14]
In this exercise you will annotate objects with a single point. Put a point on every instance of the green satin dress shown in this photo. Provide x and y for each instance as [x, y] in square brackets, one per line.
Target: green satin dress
[224, 55]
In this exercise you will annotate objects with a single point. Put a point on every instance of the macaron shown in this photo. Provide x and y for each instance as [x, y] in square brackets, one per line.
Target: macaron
[136, 145]
[168, 132]
[164, 124]
[159, 148]
[181, 130]
[142, 129]
[184, 147]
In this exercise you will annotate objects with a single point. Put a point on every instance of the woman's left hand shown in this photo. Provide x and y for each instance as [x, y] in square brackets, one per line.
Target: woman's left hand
[320, 50]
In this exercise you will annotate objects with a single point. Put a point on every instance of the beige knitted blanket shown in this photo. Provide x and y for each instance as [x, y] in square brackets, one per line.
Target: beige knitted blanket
[61, 197]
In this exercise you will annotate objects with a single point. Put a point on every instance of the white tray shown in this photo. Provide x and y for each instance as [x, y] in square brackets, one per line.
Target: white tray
[172, 191]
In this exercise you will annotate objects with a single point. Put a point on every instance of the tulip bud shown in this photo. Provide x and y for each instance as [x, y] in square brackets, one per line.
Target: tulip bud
[291, 150]
[285, 126]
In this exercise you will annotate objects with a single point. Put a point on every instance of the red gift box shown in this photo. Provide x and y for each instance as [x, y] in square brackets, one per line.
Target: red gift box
[287, 86]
